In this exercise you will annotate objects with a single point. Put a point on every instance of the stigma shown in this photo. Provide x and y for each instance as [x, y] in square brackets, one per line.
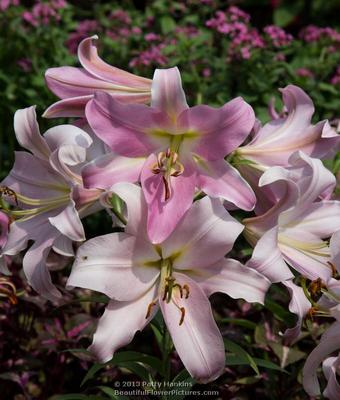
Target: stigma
[168, 166]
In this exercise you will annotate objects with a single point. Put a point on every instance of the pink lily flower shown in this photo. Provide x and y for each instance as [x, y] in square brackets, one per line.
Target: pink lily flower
[330, 339]
[176, 276]
[329, 343]
[276, 141]
[76, 86]
[295, 230]
[171, 148]
[46, 185]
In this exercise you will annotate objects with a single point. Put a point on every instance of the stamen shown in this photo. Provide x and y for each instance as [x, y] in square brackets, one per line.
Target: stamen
[150, 306]
[311, 313]
[315, 288]
[187, 290]
[334, 270]
[166, 289]
[182, 309]
[180, 289]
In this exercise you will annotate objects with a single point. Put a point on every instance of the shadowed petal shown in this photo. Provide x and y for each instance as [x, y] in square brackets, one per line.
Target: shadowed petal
[330, 341]
[330, 367]
[119, 323]
[299, 305]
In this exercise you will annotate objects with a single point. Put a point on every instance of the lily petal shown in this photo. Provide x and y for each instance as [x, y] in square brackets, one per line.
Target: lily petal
[114, 264]
[298, 305]
[231, 277]
[330, 341]
[35, 268]
[105, 171]
[221, 130]
[89, 59]
[72, 107]
[28, 134]
[119, 323]
[68, 223]
[219, 179]
[132, 195]
[164, 215]
[111, 121]
[167, 94]
[330, 367]
[267, 258]
[197, 340]
[205, 234]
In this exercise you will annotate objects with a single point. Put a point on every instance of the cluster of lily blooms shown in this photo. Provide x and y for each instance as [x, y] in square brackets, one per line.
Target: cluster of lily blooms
[177, 170]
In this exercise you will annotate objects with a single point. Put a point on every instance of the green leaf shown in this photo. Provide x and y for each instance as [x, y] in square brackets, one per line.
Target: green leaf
[137, 368]
[91, 373]
[167, 24]
[120, 360]
[240, 322]
[287, 355]
[111, 393]
[239, 351]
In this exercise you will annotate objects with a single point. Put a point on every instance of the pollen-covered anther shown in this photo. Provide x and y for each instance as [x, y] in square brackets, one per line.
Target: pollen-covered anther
[6, 191]
[187, 290]
[315, 287]
[182, 310]
[7, 289]
[311, 313]
[150, 307]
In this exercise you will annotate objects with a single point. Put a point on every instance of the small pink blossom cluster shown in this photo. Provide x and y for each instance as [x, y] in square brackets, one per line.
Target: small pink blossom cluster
[4, 4]
[121, 28]
[159, 168]
[151, 56]
[234, 23]
[43, 13]
[85, 28]
[278, 36]
[312, 33]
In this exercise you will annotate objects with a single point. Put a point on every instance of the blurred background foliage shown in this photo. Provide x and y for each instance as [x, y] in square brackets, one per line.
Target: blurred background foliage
[223, 49]
[221, 52]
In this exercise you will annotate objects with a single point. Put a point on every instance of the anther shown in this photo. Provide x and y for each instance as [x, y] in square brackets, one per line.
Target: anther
[182, 309]
[180, 289]
[187, 290]
[150, 306]
[311, 312]
[334, 270]
[315, 287]
[166, 289]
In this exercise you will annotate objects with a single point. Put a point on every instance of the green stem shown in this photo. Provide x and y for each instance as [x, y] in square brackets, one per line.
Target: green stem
[167, 346]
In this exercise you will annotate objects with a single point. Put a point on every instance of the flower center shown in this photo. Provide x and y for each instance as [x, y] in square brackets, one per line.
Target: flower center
[168, 166]
[168, 286]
